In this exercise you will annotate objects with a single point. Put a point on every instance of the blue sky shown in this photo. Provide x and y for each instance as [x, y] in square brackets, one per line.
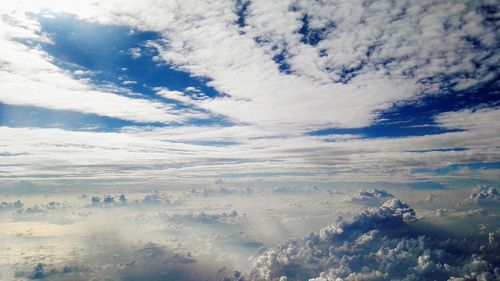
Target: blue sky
[197, 92]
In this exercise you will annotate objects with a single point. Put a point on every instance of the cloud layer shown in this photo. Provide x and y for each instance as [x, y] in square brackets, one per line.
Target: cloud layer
[320, 66]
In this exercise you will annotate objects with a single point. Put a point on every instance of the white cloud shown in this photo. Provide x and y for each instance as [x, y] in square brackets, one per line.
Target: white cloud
[173, 95]
[480, 119]
[179, 154]
[129, 82]
[135, 53]
[374, 196]
[80, 72]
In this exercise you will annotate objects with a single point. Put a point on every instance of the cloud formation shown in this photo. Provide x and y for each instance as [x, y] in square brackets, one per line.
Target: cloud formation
[376, 245]
[484, 194]
[266, 85]
[209, 237]
[374, 196]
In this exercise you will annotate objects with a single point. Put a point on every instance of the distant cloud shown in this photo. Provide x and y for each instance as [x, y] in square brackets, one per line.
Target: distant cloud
[485, 194]
[5, 206]
[156, 198]
[231, 217]
[129, 82]
[80, 72]
[135, 52]
[173, 95]
[374, 196]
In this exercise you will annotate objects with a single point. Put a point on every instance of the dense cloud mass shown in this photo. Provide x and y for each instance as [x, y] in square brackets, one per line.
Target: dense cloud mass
[378, 245]
[244, 236]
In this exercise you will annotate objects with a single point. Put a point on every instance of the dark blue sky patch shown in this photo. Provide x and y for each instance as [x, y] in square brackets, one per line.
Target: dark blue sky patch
[348, 73]
[312, 36]
[384, 130]
[281, 60]
[241, 11]
[423, 111]
[416, 118]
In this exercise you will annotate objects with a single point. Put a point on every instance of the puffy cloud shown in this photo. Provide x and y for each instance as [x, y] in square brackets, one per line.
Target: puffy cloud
[156, 198]
[203, 237]
[108, 200]
[376, 245]
[21, 210]
[151, 199]
[374, 196]
[122, 199]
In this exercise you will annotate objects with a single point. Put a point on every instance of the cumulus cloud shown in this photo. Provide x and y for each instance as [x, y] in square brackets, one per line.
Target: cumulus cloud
[206, 238]
[374, 196]
[20, 209]
[149, 199]
[156, 198]
[375, 245]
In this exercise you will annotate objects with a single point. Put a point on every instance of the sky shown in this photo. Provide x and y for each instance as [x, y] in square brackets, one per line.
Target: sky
[187, 92]
[249, 140]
